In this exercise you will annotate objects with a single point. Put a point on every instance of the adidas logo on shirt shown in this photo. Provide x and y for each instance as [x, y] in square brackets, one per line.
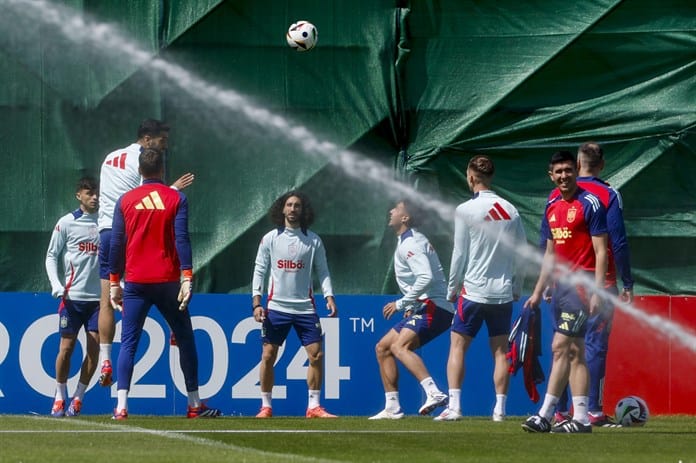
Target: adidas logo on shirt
[118, 161]
[151, 201]
[497, 213]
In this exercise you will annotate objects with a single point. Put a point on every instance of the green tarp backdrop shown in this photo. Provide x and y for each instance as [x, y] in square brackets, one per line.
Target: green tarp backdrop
[396, 92]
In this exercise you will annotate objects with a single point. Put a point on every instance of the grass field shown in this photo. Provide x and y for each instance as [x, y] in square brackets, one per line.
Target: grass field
[25, 438]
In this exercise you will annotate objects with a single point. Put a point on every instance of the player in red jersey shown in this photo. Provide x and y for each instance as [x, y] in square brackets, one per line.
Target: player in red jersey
[150, 241]
[575, 229]
[590, 164]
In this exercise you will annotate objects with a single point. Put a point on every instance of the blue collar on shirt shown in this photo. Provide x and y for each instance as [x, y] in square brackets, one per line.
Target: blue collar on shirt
[152, 180]
[405, 235]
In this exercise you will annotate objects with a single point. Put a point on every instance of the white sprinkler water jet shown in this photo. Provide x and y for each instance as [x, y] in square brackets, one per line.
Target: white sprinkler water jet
[110, 42]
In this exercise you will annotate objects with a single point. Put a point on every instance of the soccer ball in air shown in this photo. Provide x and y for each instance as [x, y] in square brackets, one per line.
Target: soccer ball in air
[631, 411]
[302, 36]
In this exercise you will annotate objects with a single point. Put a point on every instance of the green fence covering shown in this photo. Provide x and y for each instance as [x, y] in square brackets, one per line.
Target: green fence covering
[395, 93]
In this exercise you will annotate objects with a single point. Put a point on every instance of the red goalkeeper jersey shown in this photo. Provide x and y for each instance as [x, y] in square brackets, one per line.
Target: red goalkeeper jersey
[150, 232]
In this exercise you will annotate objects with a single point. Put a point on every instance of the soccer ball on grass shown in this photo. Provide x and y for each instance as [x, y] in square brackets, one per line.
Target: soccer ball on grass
[631, 411]
[302, 36]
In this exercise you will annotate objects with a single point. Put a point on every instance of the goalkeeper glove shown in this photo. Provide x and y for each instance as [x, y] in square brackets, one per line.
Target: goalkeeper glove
[116, 292]
[116, 296]
[185, 291]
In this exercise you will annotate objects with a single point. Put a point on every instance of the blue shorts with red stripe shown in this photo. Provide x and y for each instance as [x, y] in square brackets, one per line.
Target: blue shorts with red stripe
[429, 322]
[471, 316]
[73, 315]
[276, 326]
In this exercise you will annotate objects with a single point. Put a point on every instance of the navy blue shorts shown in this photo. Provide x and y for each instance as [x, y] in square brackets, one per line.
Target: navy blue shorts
[73, 315]
[570, 306]
[599, 328]
[471, 315]
[276, 327]
[104, 247]
[429, 322]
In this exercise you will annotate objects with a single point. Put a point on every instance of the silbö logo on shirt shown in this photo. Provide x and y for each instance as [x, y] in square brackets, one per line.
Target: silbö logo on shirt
[290, 265]
[88, 247]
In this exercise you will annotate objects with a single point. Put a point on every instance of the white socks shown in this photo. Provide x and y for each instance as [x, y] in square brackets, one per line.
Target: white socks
[580, 409]
[122, 400]
[266, 399]
[61, 391]
[104, 352]
[455, 400]
[548, 406]
[391, 399]
[500, 400]
[80, 391]
[429, 386]
[313, 399]
[194, 400]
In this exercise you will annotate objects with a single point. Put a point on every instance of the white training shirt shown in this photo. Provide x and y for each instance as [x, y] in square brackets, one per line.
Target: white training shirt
[75, 239]
[480, 259]
[419, 273]
[119, 174]
[286, 256]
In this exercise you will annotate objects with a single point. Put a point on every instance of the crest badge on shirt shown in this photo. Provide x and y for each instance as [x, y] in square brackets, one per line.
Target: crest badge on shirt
[292, 250]
[571, 215]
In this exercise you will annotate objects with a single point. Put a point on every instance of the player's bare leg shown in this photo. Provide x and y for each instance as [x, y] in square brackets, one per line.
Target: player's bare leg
[501, 377]
[456, 368]
[315, 373]
[403, 349]
[389, 372]
[65, 350]
[388, 368]
[107, 329]
[266, 373]
[269, 354]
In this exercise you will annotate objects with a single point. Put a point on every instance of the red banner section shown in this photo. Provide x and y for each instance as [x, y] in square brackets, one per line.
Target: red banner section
[652, 354]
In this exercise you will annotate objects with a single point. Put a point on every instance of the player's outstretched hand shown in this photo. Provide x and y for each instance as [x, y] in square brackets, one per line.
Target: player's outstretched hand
[184, 181]
[184, 294]
[116, 296]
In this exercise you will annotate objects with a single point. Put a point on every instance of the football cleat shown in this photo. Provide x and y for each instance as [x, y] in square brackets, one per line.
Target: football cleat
[603, 421]
[536, 423]
[498, 417]
[318, 412]
[105, 377]
[572, 426]
[120, 415]
[448, 415]
[434, 401]
[265, 412]
[58, 410]
[75, 407]
[560, 417]
[388, 415]
[203, 411]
